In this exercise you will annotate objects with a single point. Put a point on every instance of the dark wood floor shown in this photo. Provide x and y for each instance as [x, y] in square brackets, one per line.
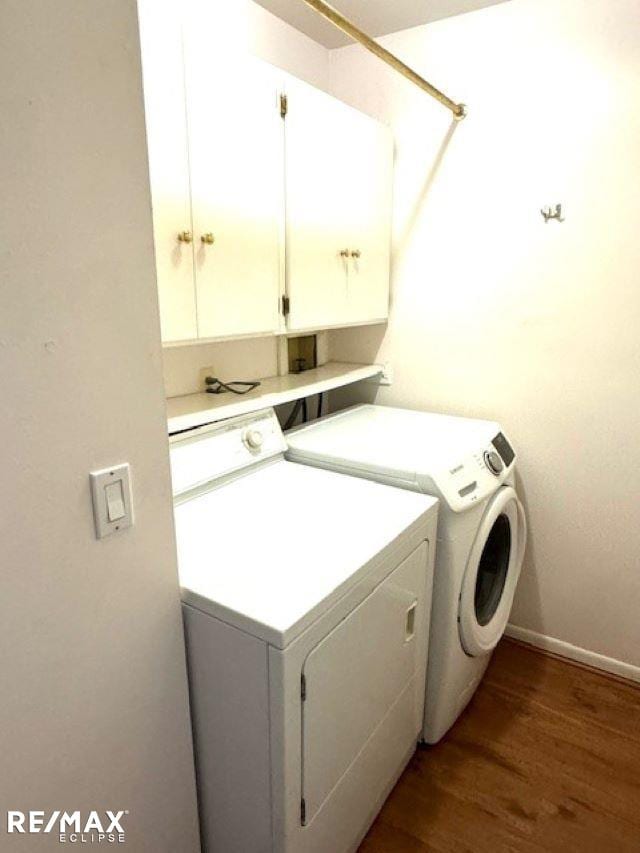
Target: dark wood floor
[545, 758]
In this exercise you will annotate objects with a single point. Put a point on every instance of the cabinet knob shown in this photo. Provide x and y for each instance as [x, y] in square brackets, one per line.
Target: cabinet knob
[185, 237]
[208, 239]
[356, 253]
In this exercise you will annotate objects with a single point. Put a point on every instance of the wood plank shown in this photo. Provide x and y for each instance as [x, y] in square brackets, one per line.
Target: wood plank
[545, 758]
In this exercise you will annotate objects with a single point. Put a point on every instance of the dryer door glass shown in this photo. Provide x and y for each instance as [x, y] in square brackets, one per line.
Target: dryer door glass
[492, 570]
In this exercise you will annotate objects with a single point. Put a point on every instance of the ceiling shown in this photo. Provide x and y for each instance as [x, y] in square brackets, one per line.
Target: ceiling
[375, 17]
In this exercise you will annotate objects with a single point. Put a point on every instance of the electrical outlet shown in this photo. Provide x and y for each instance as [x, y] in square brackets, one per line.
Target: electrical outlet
[202, 375]
[386, 377]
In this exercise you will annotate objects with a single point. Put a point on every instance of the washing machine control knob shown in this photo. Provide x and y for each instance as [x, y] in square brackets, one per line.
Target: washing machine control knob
[493, 462]
[254, 439]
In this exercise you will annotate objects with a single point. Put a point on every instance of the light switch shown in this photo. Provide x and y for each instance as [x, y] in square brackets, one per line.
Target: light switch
[112, 504]
[115, 501]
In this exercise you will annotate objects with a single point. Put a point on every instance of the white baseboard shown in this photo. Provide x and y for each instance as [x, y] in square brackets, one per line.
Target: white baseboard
[566, 650]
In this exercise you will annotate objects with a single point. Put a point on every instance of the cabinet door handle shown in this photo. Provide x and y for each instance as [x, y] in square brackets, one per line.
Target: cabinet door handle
[356, 253]
[185, 237]
[208, 239]
[345, 253]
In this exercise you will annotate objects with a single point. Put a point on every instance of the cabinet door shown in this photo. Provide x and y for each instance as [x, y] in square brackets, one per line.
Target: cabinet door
[339, 165]
[162, 64]
[369, 153]
[317, 182]
[236, 141]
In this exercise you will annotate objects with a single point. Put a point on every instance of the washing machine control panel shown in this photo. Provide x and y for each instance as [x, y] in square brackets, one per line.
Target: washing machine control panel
[493, 462]
[476, 476]
[505, 451]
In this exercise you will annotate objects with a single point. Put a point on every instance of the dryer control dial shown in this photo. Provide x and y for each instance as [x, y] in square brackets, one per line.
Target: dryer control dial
[253, 438]
[493, 462]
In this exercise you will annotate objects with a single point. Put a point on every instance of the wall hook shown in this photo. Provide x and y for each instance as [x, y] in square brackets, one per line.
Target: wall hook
[548, 213]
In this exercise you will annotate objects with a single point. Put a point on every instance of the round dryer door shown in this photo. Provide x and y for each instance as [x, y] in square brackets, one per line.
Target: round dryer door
[492, 573]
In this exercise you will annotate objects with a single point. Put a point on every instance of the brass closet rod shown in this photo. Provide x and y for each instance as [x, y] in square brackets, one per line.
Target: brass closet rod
[459, 110]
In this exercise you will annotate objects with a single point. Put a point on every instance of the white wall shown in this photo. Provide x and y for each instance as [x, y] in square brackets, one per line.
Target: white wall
[274, 41]
[277, 42]
[94, 711]
[185, 367]
[496, 314]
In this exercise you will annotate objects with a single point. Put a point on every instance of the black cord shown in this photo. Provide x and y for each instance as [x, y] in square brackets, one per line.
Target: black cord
[292, 417]
[216, 386]
[301, 404]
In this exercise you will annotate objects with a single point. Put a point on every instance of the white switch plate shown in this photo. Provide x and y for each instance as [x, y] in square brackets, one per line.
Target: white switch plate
[102, 483]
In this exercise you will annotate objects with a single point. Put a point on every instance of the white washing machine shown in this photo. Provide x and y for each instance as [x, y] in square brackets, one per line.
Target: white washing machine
[306, 600]
[470, 466]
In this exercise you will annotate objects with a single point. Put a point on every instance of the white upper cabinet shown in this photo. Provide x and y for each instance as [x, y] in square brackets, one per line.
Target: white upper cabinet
[237, 188]
[368, 210]
[316, 200]
[236, 161]
[162, 66]
[338, 172]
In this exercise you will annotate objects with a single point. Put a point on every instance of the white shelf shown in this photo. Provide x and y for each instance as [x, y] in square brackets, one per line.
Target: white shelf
[195, 410]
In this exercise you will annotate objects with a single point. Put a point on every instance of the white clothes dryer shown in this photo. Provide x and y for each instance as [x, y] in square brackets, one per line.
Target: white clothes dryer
[306, 600]
[470, 465]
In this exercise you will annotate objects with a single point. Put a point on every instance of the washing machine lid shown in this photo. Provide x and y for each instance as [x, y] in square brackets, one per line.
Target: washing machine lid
[272, 550]
[492, 572]
[437, 454]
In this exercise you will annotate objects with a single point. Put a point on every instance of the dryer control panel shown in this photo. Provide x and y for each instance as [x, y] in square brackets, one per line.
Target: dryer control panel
[476, 476]
[201, 456]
